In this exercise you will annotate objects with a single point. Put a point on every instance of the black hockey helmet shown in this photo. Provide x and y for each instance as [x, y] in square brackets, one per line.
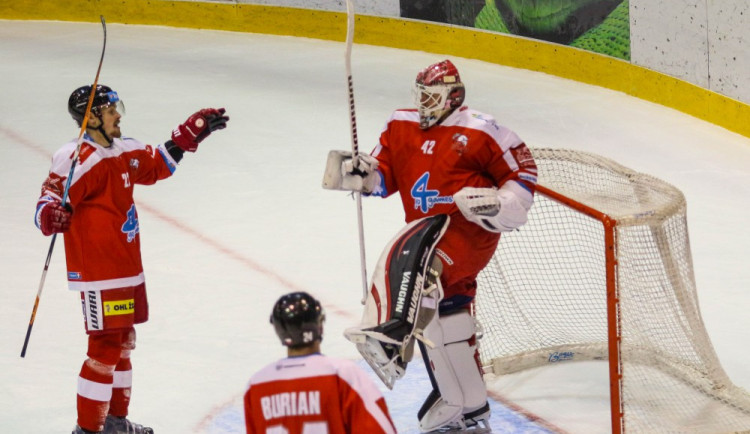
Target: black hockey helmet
[103, 97]
[298, 319]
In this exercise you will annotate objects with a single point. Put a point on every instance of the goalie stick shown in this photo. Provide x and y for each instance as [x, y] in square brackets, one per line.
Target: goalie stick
[355, 144]
[67, 187]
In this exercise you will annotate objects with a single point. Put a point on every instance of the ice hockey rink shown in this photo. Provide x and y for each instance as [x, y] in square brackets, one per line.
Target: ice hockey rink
[245, 220]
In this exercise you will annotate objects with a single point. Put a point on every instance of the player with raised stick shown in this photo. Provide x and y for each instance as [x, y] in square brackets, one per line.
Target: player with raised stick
[463, 180]
[102, 242]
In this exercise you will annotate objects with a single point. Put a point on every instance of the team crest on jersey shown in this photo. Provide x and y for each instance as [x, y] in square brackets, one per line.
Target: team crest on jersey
[130, 227]
[55, 183]
[134, 163]
[424, 198]
[459, 143]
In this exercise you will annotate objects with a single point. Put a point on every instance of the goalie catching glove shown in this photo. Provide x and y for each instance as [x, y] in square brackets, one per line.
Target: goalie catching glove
[341, 174]
[495, 210]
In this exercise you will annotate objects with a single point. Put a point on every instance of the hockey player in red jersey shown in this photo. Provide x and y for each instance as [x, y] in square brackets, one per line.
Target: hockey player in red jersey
[102, 243]
[306, 391]
[443, 158]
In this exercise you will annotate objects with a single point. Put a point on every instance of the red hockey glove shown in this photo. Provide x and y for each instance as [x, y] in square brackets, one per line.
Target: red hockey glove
[55, 218]
[197, 127]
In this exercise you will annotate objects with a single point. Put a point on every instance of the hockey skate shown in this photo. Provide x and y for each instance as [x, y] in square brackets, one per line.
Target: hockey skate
[121, 425]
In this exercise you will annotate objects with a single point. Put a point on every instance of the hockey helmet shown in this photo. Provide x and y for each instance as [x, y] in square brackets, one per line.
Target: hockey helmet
[298, 319]
[103, 97]
[438, 91]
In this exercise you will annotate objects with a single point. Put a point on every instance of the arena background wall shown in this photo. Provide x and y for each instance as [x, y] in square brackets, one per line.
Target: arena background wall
[690, 55]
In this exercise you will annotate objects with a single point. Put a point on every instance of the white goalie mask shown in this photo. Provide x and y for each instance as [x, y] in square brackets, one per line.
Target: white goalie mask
[438, 91]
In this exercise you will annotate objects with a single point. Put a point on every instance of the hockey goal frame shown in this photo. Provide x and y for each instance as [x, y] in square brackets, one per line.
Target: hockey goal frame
[613, 302]
[602, 271]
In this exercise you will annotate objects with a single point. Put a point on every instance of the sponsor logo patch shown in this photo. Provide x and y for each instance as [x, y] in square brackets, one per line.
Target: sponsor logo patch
[74, 275]
[87, 150]
[119, 307]
[424, 198]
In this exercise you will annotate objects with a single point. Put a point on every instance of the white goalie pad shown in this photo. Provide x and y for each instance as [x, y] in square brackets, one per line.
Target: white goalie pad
[461, 398]
[402, 301]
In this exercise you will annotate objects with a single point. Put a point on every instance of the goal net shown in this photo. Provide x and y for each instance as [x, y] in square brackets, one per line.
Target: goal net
[602, 271]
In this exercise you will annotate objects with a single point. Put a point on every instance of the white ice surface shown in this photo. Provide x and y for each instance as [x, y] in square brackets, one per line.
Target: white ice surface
[244, 220]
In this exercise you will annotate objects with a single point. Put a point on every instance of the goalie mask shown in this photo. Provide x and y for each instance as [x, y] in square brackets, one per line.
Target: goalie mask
[298, 319]
[104, 96]
[438, 91]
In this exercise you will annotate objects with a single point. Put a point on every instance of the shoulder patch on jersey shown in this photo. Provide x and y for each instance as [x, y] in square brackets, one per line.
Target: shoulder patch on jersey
[87, 150]
[54, 184]
[522, 154]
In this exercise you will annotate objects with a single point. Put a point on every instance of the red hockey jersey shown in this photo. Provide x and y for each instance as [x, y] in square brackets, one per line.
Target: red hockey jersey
[102, 246]
[427, 167]
[315, 393]
[467, 149]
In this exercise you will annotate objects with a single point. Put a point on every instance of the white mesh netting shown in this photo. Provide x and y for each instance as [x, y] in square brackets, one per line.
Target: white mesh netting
[543, 297]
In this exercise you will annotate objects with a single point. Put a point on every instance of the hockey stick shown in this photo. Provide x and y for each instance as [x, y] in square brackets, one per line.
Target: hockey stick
[355, 144]
[67, 187]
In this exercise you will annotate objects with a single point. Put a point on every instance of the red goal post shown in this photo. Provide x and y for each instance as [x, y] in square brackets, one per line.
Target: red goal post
[602, 271]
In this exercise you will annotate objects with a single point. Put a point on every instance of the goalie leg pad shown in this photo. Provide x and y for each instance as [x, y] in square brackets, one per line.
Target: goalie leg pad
[403, 300]
[460, 396]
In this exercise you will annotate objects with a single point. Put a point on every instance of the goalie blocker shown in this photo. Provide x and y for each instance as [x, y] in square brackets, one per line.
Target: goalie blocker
[403, 299]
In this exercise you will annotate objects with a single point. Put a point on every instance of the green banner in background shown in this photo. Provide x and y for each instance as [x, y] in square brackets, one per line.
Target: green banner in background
[601, 26]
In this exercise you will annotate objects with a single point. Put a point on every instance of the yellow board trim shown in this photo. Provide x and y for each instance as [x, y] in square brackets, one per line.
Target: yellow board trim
[559, 60]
